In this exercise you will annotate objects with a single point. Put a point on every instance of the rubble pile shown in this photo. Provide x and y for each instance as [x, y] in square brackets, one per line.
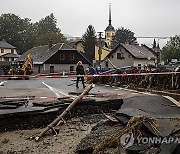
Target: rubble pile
[165, 82]
[140, 117]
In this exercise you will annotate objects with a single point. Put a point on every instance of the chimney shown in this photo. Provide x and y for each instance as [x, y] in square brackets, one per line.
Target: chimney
[50, 43]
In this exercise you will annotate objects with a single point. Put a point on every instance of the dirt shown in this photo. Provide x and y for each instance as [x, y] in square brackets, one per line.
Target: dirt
[70, 135]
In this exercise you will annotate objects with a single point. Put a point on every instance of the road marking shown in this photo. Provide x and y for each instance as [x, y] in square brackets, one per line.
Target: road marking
[54, 90]
[172, 100]
[2, 83]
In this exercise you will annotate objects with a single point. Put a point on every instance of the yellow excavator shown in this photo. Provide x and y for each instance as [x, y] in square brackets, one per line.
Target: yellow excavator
[22, 68]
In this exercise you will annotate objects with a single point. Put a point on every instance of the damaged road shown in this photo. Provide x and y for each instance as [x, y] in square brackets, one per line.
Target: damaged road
[88, 124]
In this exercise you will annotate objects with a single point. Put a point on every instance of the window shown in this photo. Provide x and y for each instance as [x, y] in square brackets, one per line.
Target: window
[112, 56]
[51, 69]
[62, 57]
[71, 57]
[12, 50]
[2, 50]
[71, 68]
[6, 59]
[120, 56]
[108, 34]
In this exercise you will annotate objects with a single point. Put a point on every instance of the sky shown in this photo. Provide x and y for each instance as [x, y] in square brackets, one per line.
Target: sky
[143, 17]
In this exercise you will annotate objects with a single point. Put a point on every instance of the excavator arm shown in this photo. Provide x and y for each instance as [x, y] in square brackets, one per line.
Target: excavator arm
[28, 62]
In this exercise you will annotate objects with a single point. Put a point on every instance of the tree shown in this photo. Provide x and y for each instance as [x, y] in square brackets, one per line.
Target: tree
[56, 37]
[47, 29]
[16, 31]
[23, 34]
[47, 25]
[171, 50]
[89, 42]
[123, 35]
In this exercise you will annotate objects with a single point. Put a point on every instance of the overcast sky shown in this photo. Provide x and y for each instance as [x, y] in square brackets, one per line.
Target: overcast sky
[143, 17]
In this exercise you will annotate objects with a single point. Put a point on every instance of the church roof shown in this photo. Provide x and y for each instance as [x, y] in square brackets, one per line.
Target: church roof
[109, 28]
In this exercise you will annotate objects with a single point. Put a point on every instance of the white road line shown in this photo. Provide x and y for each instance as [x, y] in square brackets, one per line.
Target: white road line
[2, 83]
[172, 100]
[54, 90]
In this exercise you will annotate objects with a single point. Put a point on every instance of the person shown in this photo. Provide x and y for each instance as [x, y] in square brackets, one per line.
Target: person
[80, 71]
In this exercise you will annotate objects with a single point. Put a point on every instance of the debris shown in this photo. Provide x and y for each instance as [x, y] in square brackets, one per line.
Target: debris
[133, 126]
[5, 140]
[111, 118]
[61, 117]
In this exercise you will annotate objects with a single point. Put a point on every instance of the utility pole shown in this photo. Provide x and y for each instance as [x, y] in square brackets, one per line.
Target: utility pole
[100, 48]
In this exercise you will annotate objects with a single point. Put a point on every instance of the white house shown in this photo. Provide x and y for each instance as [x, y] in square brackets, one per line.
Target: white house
[129, 55]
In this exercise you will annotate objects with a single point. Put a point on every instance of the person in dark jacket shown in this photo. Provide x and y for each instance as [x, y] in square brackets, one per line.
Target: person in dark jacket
[80, 71]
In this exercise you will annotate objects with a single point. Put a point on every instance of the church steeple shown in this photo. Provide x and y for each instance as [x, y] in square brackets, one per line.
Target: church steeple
[110, 27]
[110, 14]
[109, 31]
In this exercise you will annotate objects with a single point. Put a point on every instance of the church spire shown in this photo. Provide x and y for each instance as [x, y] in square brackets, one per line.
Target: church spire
[110, 14]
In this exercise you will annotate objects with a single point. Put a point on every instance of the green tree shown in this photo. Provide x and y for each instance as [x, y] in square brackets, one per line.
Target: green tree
[15, 30]
[47, 25]
[47, 29]
[123, 35]
[89, 42]
[171, 50]
[56, 37]
[23, 34]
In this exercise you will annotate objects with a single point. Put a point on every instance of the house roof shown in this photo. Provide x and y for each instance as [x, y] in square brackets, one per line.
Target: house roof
[5, 45]
[10, 55]
[109, 28]
[42, 53]
[74, 42]
[136, 51]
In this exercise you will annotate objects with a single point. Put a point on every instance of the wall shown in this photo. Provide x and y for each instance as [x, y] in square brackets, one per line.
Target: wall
[79, 47]
[58, 68]
[126, 61]
[109, 35]
[7, 51]
[143, 62]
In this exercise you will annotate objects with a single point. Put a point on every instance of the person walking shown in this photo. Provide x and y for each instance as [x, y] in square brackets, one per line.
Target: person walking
[80, 71]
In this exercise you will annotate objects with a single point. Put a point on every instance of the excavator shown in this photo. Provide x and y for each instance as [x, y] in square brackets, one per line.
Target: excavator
[22, 68]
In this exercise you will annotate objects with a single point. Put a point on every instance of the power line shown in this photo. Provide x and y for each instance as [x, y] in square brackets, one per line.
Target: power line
[158, 37]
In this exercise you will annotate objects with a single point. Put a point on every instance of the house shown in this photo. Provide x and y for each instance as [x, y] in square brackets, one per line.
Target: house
[8, 54]
[155, 50]
[78, 45]
[129, 55]
[54, 58]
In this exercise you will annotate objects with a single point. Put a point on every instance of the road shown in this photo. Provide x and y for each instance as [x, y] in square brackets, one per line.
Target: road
[54, 87]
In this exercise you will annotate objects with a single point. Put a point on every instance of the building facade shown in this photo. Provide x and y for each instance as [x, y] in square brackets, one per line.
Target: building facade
[124, 55]
[55, 58]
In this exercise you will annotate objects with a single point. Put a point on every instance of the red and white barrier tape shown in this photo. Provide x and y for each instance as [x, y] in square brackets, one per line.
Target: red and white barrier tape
[88, 75]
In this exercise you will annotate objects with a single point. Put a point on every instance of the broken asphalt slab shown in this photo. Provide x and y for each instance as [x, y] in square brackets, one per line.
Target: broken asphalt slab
[151, 106]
